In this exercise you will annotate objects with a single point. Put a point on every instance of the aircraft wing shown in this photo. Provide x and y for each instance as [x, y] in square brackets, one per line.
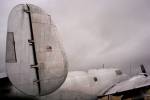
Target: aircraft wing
[133, 84]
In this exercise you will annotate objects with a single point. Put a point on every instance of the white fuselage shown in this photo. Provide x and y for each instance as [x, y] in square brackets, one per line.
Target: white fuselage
[81, 85]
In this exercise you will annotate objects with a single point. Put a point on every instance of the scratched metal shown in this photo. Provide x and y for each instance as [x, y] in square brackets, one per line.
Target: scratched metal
[40, 66]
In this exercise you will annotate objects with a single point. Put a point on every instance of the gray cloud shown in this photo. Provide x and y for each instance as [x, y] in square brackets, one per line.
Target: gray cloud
[113, 32]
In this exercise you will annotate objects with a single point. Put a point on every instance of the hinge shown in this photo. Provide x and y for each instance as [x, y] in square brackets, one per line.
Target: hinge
[27, 11]
[31, 42]
[34, 66]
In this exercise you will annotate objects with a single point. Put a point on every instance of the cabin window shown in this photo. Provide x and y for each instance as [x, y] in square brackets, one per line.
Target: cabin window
[10, 48]
[118, 72]
[95, 79]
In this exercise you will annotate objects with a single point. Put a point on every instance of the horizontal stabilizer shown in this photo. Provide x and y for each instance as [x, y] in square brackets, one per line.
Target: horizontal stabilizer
[3, 75]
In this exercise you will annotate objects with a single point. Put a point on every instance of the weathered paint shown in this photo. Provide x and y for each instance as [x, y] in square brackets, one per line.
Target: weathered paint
[80, 85]
[40, 66]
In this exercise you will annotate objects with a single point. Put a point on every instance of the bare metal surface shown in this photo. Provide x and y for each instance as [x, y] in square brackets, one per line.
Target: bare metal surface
[51, 64]
[135, 82]
[80, 85]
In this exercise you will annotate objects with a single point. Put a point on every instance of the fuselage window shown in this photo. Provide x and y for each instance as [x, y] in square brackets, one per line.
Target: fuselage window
[118, 72]
[95, 79]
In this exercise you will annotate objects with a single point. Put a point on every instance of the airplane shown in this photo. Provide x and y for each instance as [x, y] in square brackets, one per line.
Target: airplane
[37, 68]
[97, 83]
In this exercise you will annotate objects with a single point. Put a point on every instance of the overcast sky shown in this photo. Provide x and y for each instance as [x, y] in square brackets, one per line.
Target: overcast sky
[94, 32]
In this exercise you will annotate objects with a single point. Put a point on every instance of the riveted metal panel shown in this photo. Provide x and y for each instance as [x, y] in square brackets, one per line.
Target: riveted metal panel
[41, 65]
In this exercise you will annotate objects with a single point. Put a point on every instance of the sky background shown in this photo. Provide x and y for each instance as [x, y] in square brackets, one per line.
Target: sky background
[94, 32]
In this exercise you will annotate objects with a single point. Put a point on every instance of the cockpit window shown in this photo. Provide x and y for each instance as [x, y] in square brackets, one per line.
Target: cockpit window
[118, 72]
